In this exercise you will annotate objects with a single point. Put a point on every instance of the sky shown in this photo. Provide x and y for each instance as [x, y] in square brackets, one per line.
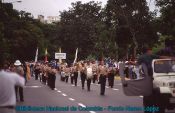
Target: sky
[52, 7]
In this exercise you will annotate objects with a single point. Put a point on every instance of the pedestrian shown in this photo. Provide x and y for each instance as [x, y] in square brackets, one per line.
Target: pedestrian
[8, 80]
[19, 70]
[102, 71]
[111, 75]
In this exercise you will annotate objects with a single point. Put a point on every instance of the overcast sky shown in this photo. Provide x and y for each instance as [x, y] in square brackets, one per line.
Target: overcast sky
[51, 7]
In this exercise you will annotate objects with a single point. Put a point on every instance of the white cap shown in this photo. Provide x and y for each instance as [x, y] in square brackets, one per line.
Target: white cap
[17, 63]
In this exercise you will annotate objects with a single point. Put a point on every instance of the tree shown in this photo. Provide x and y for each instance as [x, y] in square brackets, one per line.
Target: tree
[166, 19]
[78, 28]
[132, 24]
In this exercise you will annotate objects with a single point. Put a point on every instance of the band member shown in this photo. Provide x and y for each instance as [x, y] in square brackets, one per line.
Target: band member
[83, 75]
[72, 74]
[37, 71]
[94, 69]
[111, 75]
[89, 74]
[52, 77]
[102, 71]
[67, 73]
[76, 71]
[44, 74]
[62, 72]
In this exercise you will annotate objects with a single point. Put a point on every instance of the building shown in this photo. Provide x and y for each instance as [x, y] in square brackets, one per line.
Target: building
[41, 18]
[51, 19]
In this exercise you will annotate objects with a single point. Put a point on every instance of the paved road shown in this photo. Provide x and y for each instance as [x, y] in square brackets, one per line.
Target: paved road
[67, 96]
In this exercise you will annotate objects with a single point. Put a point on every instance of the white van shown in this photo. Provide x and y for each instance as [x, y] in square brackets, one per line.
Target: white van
[161, 84]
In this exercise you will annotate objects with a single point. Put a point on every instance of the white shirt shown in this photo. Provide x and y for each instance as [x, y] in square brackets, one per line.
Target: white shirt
[8, 81]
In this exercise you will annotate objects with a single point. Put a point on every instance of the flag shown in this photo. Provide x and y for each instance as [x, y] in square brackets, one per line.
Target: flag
[36, 55]
[76, 53]
[45, 60]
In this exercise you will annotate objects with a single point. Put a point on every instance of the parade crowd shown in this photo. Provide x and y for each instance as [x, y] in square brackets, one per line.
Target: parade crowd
[16, 75]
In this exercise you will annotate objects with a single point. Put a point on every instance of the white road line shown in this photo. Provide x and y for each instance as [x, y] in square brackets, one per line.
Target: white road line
[72, 85]
[82, 105]
[141, 96]
[115, 89]
[71, 99]
[59, 91]
[92, 111]
[64, 95]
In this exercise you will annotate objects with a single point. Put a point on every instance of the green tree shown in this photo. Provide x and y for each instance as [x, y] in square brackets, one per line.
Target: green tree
[78, 28]
[131, 20]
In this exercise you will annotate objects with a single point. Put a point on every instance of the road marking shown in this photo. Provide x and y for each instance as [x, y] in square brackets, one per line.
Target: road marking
[72, 85]
[107, 87]
[59, 91]
[55, 89]
[115, 89]
[32, 86]
[71, 99]
[82, 105]
[141, 96]
[92, 111]
[64, 95]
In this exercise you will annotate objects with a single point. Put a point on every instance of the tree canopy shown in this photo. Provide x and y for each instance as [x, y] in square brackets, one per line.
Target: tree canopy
[118, 30]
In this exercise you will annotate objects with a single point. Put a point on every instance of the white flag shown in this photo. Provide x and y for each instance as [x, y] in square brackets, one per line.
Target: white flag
[36, 56]
[75, 56]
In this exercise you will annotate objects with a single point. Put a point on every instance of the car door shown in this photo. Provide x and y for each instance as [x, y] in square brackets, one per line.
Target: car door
[136, 87]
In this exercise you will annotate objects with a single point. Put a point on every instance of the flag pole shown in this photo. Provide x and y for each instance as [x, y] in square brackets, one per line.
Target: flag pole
[76, 53]
[36, 55]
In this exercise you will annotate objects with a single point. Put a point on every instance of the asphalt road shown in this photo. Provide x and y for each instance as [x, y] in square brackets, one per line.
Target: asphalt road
[67, 98]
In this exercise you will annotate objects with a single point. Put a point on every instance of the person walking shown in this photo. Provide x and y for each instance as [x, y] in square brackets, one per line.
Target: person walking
[83, 75]
[102, 71]
[76, 73]
[94, 69]
[8, 80]
[19, 70]
[89, 74]
[72, 74]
